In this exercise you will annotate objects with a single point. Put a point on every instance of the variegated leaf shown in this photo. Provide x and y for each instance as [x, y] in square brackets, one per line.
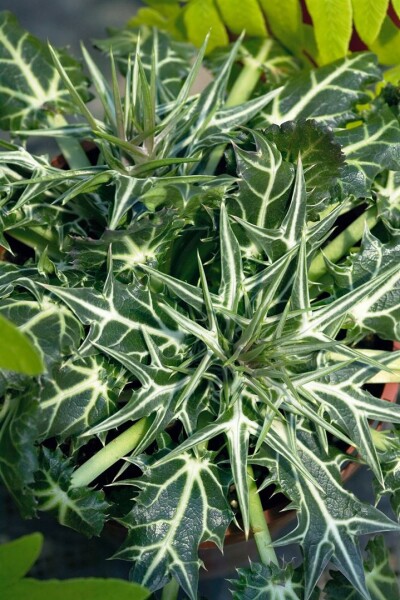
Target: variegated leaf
[10, 274]
[264, 187]
[381, 581]
[190, 294]
[388, 200]
[163, 388]
[231, 264]
[369, 148]
[314, 94]
[260, 581]
[82, 509]
[40, 91]
[147, 240]
[285, 235]
[164, 536]
[229, 117]
[390, 461]
[52, 327]
[329, 521]
[351, 407]
[172, 58]
[381, 311]
[127, 193]
[275, 63]
[238, 422]
[358, 304]
[211, 100]
[119, 315]
[86, 389]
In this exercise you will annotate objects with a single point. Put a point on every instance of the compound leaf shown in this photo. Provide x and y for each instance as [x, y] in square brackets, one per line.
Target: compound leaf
[332, 21]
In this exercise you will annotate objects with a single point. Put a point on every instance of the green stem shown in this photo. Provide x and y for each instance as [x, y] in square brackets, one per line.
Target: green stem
[240, 92]
[171, 590]
[249, 76]
[110, 454]
[70, 147]
[38, 238]
[258, 524]
[339, 246]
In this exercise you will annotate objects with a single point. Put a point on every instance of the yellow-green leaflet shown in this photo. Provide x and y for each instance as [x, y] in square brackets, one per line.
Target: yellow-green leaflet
[243, 15]
[368, 18]
[332, 21]
[286, 24]
[201, 17]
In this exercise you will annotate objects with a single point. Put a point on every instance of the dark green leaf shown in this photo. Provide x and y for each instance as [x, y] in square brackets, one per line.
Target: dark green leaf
[77, 395]
[41, 92]
[314, 94]
[181, 504]
[82, 509]
[329, 521]
[381, 580]
[18, 452]
[261, 581]
[369, 148]
[320, 153]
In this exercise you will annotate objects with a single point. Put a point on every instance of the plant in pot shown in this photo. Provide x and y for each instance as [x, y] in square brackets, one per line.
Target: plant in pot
[206, 331]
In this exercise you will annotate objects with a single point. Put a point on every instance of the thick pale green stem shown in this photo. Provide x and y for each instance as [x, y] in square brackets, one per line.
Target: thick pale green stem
[70, 147]
[38, 238]
[338, 247]
[240, 92]
[381, 376]
[110, 454]
[171, 590]
[258, 524]
[249, 76]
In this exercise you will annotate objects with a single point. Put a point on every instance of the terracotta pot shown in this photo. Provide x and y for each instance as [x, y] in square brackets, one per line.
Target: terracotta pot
[90, 149]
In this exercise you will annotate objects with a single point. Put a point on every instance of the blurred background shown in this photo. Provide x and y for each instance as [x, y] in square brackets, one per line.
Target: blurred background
[67, 22]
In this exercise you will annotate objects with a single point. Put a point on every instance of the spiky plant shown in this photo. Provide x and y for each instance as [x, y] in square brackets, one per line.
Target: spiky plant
[206, 326]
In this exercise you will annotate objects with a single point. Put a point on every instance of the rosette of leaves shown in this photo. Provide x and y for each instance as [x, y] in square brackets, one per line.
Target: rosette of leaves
[198, 314]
